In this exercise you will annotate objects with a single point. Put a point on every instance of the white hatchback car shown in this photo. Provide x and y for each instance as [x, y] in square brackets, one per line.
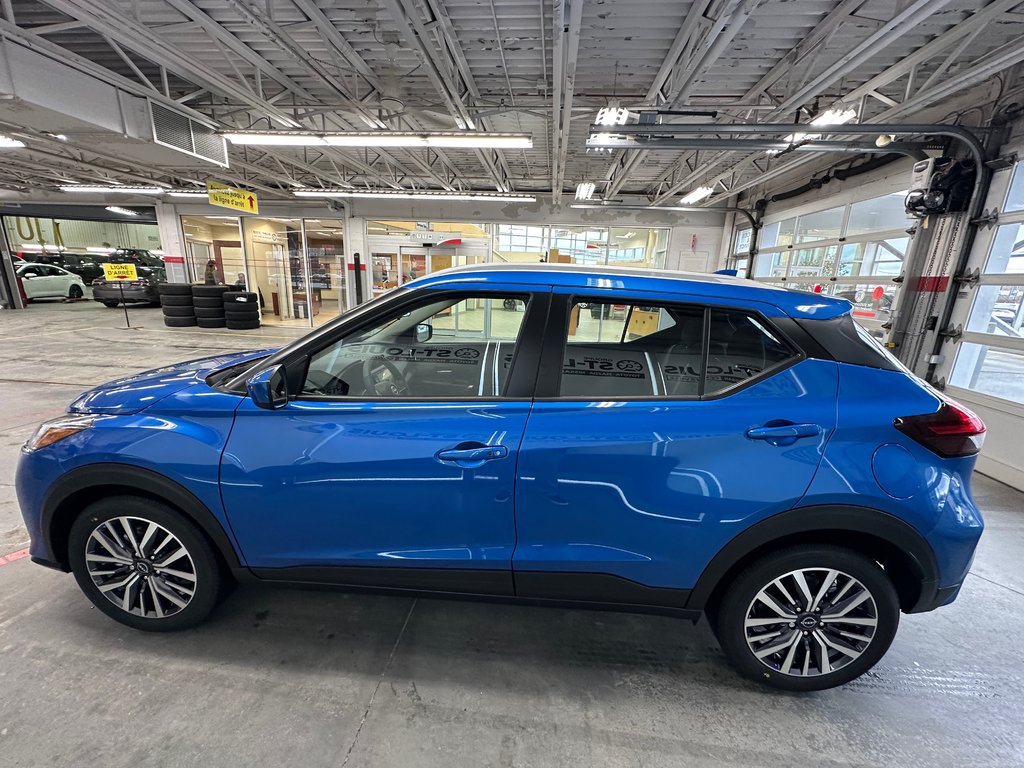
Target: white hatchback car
[45, 281]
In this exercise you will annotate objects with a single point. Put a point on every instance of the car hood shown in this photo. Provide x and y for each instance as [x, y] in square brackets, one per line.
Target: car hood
[131, 394]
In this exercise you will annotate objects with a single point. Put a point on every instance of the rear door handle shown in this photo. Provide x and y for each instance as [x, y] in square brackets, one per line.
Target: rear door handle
[783, 434]
[471, 457]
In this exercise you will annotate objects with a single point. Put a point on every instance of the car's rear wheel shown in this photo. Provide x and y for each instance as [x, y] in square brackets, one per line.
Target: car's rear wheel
[75, 292]
[143, 564]
[808, 618]
[111, 304]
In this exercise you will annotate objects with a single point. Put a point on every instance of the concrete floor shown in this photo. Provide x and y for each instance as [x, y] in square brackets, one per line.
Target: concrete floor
[321, 678]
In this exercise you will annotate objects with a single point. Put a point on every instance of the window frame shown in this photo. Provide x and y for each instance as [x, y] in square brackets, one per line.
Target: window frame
[522, 371]
[556, 339]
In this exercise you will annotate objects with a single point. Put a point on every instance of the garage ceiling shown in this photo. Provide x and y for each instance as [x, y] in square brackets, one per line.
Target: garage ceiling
[531, 66]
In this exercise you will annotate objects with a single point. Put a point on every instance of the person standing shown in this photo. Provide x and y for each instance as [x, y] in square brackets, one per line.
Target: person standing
[211, 272]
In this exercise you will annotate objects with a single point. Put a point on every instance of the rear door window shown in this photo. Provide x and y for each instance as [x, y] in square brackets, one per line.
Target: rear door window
[671, 351]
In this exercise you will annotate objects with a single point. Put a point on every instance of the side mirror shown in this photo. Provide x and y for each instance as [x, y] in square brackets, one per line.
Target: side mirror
[269, 388]
[424, 332]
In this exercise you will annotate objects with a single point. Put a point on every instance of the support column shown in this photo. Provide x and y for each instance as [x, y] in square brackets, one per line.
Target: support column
[355, 242]
[173, 243]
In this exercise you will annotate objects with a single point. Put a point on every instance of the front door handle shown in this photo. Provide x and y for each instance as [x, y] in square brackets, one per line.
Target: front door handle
[783, 434]
[471, 457]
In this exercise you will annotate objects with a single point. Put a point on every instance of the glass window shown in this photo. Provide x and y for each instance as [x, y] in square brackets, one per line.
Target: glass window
[771, 264]
[877, 215]
[742, 243]
[998, 309]
[741, 348]
[458, 348]
[883, 258]
[779, 234]
[813, 262]
[1007, 253]
[822, 225]
[625, 350]
[992, 370]
[1015, 195]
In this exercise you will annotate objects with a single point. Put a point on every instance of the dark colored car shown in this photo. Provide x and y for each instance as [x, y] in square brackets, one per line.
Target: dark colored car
[746, 452]
[85, 265]
[150, 270]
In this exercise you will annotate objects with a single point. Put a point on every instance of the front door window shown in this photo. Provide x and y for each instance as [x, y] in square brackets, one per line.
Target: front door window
[454, 347]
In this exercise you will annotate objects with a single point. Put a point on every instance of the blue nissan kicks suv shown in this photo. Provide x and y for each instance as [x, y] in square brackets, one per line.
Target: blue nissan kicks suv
[617, 439]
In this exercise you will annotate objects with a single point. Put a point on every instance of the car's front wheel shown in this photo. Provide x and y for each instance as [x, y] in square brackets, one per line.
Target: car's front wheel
[144, 564]
[111, 304]
[808, 618]
[75, 291]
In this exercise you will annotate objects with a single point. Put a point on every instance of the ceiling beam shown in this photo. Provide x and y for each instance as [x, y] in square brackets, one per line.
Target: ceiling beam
[565, 27]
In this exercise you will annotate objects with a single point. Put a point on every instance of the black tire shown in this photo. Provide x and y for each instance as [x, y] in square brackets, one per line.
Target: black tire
[75, 292]
[180, 322]
[210, 312]
[201, 562]
[243, 298]
[179, 311]
[111, 304]
[740, 596]
[175, 300]
[174, 289]
[241, 316]
[209, 302]
[211, 322]
[242, 325]
[214, 291]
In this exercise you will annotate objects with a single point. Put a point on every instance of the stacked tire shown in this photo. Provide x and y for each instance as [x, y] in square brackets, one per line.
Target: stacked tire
[241, 310]
[209, 304]
[176, 303]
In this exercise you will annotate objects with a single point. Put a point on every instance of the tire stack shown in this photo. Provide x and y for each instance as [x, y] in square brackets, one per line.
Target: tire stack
[209, 303]
[176, 303]
[241, 310]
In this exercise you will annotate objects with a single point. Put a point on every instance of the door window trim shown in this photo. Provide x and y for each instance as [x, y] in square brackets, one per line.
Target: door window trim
[556, 339]
[522, 374]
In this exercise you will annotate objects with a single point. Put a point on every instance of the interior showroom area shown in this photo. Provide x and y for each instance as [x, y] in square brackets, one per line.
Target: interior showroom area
[512, 383]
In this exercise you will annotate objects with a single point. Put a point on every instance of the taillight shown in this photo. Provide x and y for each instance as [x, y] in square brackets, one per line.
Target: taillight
[952, 431]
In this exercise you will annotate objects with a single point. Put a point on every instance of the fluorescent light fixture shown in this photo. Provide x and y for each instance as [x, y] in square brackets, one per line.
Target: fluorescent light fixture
[696, 195]
[193, 193]
[834, 116]
[6, 142]
[447, 139]
[495, 197]
[121, 211]
[612, 116]
[585, 190]
[113, 188]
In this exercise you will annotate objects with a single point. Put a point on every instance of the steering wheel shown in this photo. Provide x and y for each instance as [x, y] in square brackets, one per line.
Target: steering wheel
[391, 385]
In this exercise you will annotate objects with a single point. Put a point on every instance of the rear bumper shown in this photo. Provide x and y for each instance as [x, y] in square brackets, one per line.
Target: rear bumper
[131, 294]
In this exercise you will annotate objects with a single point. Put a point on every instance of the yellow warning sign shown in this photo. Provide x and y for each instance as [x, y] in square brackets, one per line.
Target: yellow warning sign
[231, 197]
[120, 272]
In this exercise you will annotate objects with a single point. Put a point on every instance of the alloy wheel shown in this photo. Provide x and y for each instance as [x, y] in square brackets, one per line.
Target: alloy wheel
[141, 567]
[810, 622]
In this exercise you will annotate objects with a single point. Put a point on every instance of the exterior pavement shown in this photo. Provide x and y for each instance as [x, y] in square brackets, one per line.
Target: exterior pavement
[321, 678]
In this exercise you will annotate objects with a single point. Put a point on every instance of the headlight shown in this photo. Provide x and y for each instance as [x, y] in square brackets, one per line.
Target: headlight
[55, 430]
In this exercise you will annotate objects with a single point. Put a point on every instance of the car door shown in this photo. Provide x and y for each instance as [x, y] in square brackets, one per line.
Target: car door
[394, 462]
[58, 281]
[672, 426]
[33, 278]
